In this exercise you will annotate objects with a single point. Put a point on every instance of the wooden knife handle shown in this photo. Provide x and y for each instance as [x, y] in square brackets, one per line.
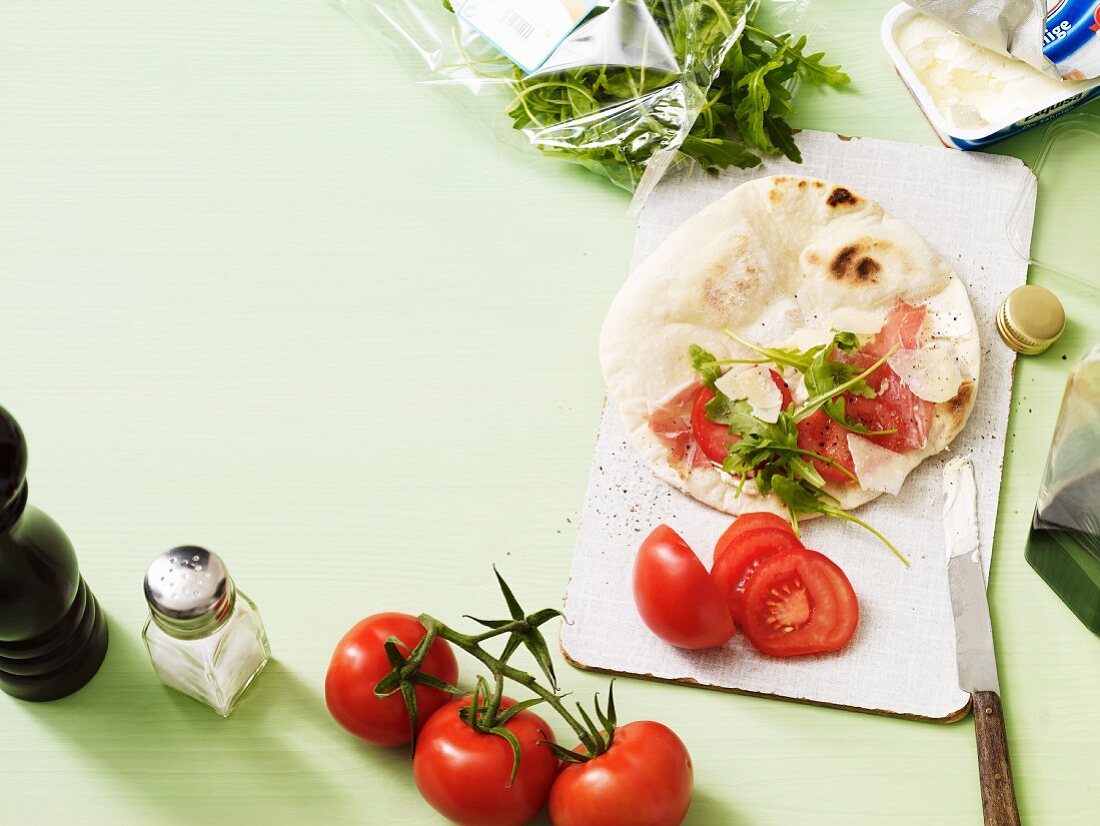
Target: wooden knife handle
[994, 771]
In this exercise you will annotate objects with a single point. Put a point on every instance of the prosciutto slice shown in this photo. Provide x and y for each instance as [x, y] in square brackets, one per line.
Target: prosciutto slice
[670, 421]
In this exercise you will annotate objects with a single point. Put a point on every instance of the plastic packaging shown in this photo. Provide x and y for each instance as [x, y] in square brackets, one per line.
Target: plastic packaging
[619, 94]
[960, 123]
[1064, 543]
[1059, 187]
[1057, 37]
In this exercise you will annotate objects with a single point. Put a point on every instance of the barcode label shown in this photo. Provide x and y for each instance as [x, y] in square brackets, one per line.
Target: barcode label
[527, 31]
[518, 24]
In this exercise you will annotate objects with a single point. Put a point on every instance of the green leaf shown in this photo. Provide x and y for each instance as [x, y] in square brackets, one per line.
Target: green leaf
[784, 357]
[566, 755]
[536, 644]
[715, 154]
[528, 634]
[509, 597]
[781, 134]
[597, 736]
[408, 694]
[705, 364]
[421, 678]
[608, 720]
[512, 711]
[822, 396]
[517, 752]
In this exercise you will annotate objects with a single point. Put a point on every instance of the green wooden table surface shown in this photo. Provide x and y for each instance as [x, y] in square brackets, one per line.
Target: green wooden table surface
[260, 292]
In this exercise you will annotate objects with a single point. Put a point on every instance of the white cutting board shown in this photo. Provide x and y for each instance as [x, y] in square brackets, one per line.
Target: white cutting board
[902, 658]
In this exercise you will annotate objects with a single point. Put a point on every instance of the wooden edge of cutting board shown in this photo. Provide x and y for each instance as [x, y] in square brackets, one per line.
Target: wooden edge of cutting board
[954, 716]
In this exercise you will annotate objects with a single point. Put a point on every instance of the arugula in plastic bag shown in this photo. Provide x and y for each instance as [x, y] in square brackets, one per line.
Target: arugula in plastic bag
[738, 77]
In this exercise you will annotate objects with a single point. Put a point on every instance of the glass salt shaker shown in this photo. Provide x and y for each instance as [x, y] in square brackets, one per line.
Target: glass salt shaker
[205, 638]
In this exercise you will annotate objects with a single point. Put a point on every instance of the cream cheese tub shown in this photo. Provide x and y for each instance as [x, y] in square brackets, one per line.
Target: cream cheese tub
[972, 96]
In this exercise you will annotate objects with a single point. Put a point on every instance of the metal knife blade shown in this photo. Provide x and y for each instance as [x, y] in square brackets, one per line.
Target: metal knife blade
[973, 629]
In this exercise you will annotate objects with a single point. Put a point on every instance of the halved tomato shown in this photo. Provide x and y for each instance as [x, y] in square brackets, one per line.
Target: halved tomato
[749, 522]
[743, 556]
[799, 602]
[714, 439]
[675, 595]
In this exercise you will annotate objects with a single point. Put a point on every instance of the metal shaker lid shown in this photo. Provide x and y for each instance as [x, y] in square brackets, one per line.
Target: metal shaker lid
[189, 591]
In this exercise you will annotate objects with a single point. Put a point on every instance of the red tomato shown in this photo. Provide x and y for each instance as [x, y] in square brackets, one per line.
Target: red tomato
[894, 408]
[820, 434]
[675, 596]
[714, 439]
[465, 775]
[881, 414]
[644, 779]
[359, 662]
[799, 602]
[741, 558]
[748, 522]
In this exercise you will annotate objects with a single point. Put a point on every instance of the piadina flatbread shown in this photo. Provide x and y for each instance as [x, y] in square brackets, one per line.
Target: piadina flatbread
[781, 262]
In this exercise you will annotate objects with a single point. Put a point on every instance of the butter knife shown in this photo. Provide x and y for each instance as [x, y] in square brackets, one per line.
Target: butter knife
[974, 641]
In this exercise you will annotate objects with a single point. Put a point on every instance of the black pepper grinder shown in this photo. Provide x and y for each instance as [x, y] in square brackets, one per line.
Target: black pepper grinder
[53, 635]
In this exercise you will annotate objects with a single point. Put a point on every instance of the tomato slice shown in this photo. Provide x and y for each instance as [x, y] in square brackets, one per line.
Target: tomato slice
[741, 558]
[820, 434]
[675, 596]
[799, 602]
[714, 439]
[749, 522]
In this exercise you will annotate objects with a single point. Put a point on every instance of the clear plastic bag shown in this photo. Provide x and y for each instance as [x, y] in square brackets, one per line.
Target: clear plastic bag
[619, 95]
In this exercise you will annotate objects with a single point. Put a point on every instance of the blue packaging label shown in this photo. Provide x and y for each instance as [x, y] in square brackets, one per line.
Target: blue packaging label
[1072, 38]
[1034, 119]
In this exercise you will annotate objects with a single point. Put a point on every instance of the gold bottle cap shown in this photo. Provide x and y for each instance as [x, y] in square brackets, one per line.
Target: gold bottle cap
[1031, 319]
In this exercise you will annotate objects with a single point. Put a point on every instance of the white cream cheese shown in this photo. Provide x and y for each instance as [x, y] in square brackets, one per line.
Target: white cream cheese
[972, 87]
[960, 508]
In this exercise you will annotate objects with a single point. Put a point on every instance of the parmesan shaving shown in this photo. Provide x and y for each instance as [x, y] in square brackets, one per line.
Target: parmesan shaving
[806, 338]
[931, 373]
[878, 468]
[855, 320]
[753, 382]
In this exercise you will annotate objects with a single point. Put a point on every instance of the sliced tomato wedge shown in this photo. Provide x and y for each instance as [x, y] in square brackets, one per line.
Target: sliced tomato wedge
[743, 556]
[675, 597]
[819, 434]
[749, 522]
[799, 602]
[714, 439]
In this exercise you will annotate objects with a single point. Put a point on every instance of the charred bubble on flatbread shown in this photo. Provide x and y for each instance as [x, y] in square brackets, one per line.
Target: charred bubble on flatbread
[785, 285]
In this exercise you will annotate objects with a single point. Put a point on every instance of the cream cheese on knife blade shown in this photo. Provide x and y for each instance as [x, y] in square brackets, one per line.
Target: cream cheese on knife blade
[960, 509]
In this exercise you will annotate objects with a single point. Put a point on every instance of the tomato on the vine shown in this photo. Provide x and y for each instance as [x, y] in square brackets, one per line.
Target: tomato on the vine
[676, 598]
[466, 774]
[360, 661]
[644, 779]
[799, 602]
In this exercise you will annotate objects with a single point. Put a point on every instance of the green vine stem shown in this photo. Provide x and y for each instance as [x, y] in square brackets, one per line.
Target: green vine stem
[471, 644]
